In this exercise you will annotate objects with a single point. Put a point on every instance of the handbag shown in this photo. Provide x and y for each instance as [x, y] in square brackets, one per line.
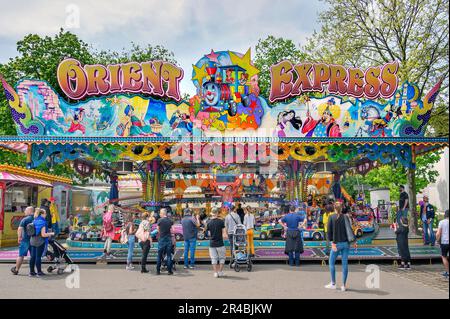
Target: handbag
[142, 234]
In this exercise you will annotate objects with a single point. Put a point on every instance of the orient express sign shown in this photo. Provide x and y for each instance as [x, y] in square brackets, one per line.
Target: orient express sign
[227, 100]
[147, 77]
[289, 80]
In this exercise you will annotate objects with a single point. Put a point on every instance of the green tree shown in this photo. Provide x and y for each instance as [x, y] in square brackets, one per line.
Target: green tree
[272, 50]
[390, 176]
[136, 53]
[39, 58]
[367, 32]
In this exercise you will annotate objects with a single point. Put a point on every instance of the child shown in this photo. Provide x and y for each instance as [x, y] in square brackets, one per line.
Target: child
[401, 231]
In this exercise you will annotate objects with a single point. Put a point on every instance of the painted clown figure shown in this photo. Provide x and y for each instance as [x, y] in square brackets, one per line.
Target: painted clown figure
[326, 126]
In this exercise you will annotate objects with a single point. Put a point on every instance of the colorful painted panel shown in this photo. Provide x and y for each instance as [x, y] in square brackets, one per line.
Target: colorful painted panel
[228, 103]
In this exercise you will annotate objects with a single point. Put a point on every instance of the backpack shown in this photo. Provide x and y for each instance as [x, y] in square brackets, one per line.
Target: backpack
[30, 230]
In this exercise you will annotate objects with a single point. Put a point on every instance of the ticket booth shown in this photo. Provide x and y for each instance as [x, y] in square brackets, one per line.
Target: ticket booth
[20, 188]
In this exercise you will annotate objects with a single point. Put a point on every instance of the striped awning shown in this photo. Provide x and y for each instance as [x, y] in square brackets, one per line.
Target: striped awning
[10, 177]
[17, 147]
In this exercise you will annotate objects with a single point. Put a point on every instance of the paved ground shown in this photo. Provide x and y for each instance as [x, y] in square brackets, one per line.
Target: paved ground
[266, 281]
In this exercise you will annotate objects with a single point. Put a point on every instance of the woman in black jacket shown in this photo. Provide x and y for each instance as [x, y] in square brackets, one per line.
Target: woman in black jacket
[401, 231]
[340, 234]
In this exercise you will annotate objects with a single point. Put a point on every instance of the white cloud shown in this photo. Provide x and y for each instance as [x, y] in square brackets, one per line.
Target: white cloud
[188, 28]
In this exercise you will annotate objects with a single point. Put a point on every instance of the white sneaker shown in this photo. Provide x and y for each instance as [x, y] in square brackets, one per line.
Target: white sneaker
[221, 274]
[343, 289]
[331, 286]
[216, 275]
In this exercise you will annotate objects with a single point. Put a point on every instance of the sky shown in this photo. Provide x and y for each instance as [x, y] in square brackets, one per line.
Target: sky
[190, 29]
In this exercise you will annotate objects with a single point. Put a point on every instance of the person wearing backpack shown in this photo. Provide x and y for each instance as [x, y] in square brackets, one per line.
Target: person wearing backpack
[23, 239]
[37, 230]
[143, 234]
[231, 220]
[340, 234]
[108, 231]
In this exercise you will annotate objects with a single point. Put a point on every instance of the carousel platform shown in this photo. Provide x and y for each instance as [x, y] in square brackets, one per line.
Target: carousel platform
[368, 249]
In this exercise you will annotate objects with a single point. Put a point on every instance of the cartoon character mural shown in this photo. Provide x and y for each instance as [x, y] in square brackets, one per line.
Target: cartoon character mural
[326, 126]
[77, 121]
[227, 101]
[181, 124]
[136, 125]
[286, 122]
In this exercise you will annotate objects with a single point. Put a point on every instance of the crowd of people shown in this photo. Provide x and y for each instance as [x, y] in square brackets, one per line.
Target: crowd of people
[40, 225]
[35, 233]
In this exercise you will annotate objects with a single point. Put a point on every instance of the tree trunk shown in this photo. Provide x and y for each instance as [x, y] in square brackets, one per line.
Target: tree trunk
[411, 178]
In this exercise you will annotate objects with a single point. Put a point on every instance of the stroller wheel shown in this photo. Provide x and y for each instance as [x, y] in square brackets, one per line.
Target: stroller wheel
[50, 269]
[237, 268]
[249, 267]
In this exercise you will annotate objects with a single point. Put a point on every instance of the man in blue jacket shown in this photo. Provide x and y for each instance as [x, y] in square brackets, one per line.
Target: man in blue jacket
[427, 216]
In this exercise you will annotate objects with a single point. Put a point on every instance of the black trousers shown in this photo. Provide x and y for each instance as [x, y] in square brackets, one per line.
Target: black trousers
[145, 246]
[403, 247]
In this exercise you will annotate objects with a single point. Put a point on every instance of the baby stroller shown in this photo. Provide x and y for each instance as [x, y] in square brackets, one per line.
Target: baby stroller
[239, 253]
[58, 255]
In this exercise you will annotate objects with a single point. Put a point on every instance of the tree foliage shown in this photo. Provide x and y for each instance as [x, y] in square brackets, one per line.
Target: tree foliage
[367, 32]
[389, 176]
[272, 50]
[38, 58]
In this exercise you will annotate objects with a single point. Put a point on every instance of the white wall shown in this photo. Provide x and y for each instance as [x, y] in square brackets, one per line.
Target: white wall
[438, 192]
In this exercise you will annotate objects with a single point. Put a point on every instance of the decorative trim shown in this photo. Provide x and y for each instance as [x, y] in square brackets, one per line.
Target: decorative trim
[34, 173]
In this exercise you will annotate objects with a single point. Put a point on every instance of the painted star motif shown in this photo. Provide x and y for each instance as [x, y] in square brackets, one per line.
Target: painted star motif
[213, 56]
[200, 73]
[243, 117]
[244, 62]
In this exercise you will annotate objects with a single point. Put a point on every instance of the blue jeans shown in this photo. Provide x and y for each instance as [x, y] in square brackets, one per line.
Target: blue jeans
[343, 248]
[428, 232]
[294, 256]
[36, 258]
[401, 213]
[131, 240]
[189, 248]
[164, 249]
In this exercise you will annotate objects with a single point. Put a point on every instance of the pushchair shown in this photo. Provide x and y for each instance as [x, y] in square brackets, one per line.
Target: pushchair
[239, 253]
[59, 257]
